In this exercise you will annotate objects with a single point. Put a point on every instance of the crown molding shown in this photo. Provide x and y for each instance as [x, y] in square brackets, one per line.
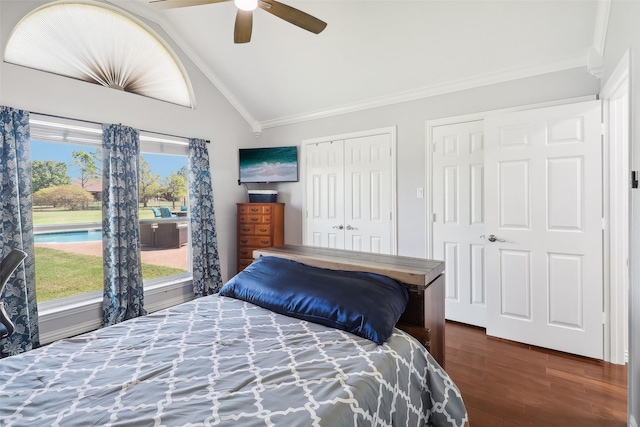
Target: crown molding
[151, 15]
[601, 25]
[441, 89]
[595, 62]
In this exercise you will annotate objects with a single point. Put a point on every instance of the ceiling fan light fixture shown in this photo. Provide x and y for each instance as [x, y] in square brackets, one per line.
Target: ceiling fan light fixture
[247, 5]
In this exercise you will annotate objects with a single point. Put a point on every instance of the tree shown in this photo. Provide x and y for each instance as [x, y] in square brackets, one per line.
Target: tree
[48, 173]
[88, 164]
[148, 182]
[68, 196]
[185, 173]
[176, 187]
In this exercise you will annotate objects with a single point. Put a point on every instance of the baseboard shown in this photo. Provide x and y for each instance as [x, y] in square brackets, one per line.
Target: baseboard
[632, 421]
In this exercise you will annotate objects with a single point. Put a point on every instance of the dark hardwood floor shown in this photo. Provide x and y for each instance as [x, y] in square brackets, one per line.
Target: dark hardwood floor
[506, 384]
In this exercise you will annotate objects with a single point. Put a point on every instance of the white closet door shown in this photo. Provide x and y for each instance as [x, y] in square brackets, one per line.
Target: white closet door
[458, 196]
[544, 206]
[325, 194]
[368, 210]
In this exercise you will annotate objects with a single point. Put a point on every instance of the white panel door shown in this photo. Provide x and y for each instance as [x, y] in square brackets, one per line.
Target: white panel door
[458, 199]
[325, 194]
[367, 171]
[543, 221]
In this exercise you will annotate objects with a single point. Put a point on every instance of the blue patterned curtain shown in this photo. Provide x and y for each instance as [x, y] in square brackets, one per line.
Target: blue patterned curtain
[123, 291]
[16, 230]
[204, 242]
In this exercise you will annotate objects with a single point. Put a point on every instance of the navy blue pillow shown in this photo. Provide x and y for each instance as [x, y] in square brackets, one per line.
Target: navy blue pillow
[365, 304]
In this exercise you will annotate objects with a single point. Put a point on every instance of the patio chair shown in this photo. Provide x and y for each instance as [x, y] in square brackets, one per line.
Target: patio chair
[7, 267]
[165, 212]
[156, 212]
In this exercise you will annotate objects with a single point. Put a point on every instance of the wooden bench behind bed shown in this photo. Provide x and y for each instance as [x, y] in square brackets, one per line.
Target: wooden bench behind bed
[424, 315]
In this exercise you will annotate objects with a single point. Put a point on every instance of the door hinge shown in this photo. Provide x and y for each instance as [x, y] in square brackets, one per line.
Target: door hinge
[634, 179]
[604, 223]
[604, 318]
[433, 217]
[603, 129]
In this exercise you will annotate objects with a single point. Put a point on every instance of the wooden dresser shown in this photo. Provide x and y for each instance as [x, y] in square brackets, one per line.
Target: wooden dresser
[424, 316]
[260, 225]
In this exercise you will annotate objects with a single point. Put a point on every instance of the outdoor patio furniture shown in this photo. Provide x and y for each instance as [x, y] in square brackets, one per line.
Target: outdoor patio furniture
[171, 234]
[165, 212]
[148, 234]
[156, 212]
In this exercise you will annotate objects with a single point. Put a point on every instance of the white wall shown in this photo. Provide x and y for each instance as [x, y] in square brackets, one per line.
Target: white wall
[624, 34]
[213, 118]
[410, 118]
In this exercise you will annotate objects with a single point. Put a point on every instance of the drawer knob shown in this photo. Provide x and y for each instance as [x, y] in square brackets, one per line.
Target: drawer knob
[243, 240]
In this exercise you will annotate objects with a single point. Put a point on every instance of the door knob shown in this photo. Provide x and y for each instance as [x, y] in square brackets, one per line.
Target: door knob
[339, 227]
[351, 228]
[492, 238]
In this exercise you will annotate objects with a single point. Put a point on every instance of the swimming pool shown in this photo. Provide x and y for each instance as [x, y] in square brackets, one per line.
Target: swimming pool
[69, 236]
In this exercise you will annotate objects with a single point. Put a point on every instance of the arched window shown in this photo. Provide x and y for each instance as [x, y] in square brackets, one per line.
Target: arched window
[102, 45]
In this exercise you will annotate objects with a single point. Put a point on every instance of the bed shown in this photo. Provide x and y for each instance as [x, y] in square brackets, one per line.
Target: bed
[273, 349]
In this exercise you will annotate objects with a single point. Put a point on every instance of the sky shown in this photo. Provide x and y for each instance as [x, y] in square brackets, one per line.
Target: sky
[162, 165]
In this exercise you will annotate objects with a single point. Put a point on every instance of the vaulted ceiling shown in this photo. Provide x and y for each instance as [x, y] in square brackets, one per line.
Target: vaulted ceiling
[379, 52]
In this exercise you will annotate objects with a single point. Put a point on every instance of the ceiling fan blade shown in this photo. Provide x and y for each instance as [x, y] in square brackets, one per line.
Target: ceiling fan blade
[171, 4]
[244, 24]
[293, 15]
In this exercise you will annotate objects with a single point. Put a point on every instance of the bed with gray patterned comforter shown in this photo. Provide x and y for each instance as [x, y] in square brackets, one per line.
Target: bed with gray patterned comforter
[222, 361]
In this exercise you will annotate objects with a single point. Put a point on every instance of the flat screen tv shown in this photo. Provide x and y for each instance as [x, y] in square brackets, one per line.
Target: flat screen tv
[268, 164]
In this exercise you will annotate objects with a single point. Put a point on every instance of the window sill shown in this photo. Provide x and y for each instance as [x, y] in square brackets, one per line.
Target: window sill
[78, 314]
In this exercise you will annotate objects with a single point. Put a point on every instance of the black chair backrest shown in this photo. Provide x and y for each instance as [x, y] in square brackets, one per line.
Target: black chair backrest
[9, 265]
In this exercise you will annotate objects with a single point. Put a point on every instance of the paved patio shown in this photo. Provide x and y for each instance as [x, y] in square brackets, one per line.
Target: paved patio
[169, 257]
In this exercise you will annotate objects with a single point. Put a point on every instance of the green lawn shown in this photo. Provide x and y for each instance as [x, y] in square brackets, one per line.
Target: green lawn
[42, 216]
[60, 274]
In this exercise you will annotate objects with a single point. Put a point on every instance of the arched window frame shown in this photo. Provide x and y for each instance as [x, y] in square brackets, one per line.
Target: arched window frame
[134, 77]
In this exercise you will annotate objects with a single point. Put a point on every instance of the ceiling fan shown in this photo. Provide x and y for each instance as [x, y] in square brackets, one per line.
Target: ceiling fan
[244, 16]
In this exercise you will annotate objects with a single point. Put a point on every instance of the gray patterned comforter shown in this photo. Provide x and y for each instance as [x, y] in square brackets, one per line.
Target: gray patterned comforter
[220, 361]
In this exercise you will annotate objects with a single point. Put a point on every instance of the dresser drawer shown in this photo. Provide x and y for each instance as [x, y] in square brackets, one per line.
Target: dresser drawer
[247, 229]
[255, 242]
[245, 252]
[255, 209]
[243, 263]
[263, 229]
[255, 219]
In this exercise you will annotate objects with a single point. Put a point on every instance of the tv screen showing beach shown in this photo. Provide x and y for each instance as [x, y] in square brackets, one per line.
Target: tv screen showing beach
[274, 164]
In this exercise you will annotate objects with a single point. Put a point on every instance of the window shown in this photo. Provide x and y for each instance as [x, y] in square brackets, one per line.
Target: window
[67, 208]
[164, 211]
[100, 44]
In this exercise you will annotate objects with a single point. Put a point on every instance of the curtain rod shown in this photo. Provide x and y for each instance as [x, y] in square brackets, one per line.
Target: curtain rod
[97, 123]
